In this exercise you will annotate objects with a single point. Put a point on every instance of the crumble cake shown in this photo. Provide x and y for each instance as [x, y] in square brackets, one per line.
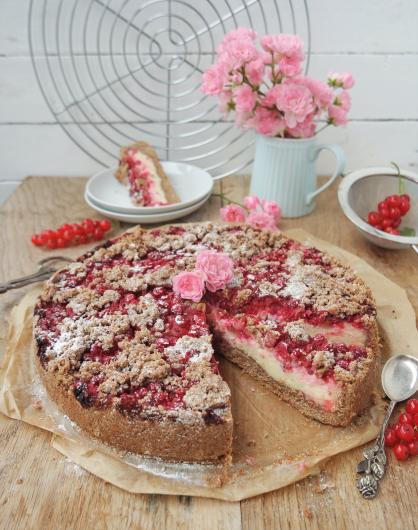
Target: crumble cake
[141, 171]
[133, 364]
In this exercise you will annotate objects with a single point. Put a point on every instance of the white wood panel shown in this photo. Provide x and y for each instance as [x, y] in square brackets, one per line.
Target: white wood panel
[386, 88]
[46, 150]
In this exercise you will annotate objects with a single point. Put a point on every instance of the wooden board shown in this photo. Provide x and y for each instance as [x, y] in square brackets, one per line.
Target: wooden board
[41, 489]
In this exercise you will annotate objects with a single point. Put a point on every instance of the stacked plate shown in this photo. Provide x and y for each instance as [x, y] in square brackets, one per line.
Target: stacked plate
[110, 198]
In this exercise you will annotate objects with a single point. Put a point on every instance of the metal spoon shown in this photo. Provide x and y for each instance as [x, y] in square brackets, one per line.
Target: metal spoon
[400, 382]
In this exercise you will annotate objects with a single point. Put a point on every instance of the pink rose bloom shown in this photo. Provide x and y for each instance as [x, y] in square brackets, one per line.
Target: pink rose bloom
[337, 115]
[273, 209]
[255, 71]
[343, 100]
[251, 202]
[261, 220]
[271, 96]
[217, 267]
[240, 34]
[322, 93]
[189, 285]
[225, 101]
[232, 213]
[267, 122]
[290, 67]
[304, 129]
[245, 98]
[214, 79]
[344, 80]
[295, 101]
[284, 45]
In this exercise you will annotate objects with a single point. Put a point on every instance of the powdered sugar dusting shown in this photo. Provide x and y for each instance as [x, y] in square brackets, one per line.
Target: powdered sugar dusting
[200, 349]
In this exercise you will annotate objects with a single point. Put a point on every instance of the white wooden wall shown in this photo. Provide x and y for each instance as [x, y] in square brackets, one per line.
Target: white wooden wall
[375, 39]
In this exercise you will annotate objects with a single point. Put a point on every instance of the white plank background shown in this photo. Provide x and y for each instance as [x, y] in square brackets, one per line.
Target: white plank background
[377, 40]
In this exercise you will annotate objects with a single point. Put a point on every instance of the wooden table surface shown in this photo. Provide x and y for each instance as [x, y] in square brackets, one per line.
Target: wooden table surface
[39, 488]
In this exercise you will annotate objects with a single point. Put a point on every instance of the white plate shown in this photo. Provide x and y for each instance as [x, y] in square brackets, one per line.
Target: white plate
[191, 183]
[144, 218]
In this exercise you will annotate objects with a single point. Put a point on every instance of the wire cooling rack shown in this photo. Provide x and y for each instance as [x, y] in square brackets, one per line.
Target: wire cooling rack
[116, 71]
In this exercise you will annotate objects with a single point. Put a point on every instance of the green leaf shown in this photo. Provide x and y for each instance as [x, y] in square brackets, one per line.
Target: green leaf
[407, 231]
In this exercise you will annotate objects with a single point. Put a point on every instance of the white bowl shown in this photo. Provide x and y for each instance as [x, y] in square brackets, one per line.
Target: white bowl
[191, 184]
[361, 191]
[145, 218]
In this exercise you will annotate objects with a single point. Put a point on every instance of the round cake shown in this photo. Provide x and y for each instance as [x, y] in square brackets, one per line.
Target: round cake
[133, 363]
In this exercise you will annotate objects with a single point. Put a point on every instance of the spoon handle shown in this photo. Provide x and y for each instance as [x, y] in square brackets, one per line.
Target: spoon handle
[373, 466]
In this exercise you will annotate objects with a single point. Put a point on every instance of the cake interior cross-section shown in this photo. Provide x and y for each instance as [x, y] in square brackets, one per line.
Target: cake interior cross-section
[134, 364]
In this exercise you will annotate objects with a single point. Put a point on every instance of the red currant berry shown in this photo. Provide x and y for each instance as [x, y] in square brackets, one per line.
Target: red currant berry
[405, 417]
[96, 223]
[413, 448]
[401, 451]
[393, 201]
[396, 429]
[415, 420]
[88, 225]
[98, 234]
[396, 222]
[82, 240]
[51, 243]
[106, 225]
[382, 206]
[387, 223]
[412, 406]
[404, 206]
[61, 243]
[394, 213]
[68, 235]
[379, 227]
[78, 229]
[406, 433]
[36, 240]
[390, 438]
[66, 226]
[405, 197]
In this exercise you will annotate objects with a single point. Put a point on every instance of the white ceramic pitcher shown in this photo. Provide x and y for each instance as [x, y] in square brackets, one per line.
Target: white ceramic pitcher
[284, 171]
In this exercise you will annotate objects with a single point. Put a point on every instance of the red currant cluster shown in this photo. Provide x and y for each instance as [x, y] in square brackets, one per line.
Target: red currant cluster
[390, 213]
[72, 234]
[403, 436]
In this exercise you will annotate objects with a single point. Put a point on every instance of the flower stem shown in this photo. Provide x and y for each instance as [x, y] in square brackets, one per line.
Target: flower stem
[223, 197]
[322, 128]
[401, 183]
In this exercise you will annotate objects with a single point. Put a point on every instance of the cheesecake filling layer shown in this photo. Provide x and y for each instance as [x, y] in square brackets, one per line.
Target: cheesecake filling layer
[153, 181]
[324, 393]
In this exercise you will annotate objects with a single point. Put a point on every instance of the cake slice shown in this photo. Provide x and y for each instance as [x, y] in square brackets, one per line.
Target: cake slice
[141, 171]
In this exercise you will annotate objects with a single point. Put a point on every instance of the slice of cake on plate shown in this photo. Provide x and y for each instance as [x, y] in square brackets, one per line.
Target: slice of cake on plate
[132, 363]
[141, 171]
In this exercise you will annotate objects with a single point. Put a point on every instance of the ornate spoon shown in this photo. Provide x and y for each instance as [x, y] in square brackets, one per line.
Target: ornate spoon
[400, 382]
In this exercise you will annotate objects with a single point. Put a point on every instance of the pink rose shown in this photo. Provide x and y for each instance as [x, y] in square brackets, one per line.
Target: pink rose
[284, 45]
[337, 115]
[290, 67]
[344, 80]
[255, 71]
[214, 79]
[267, 122]
[322, 93]
[261, 220]
[295, 101]
[189, 285]
[273, 209]
[217, 267]
[304, 129]
[343, 100]
[232, 213]
[251, 202]
[225, 101]
[245, 98]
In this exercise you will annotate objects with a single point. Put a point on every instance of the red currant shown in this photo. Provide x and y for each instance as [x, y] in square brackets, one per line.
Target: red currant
[401, 451]
[404, 206]
[78, 229]
[412, 406]
[106, 225]
[68, 235]
[88, 225]
[51, 243]
[405, 197]
[415, 420]
[405, 417]
[61, 243]
[396, 429]
[98, 234]
[82, 240]
[396, 222]
[390, 438]
[394, 213]
[393, 201]
[387, 223]
[393, 231]
[413, 448]
[382, 206]
[406, 433]
[36, 240]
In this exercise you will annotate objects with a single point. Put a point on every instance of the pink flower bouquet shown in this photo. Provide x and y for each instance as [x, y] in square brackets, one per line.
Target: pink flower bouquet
[266, 89]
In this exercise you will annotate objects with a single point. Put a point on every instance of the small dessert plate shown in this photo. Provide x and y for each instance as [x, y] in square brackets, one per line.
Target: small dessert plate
[191, 183]
[148, 218]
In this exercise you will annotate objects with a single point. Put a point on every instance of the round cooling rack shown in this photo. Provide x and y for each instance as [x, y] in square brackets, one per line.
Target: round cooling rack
[116, 71]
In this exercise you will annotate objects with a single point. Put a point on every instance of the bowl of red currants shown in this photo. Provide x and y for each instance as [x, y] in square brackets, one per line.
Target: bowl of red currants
[382, 202]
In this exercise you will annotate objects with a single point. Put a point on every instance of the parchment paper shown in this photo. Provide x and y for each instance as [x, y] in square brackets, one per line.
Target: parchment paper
[274, 445]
